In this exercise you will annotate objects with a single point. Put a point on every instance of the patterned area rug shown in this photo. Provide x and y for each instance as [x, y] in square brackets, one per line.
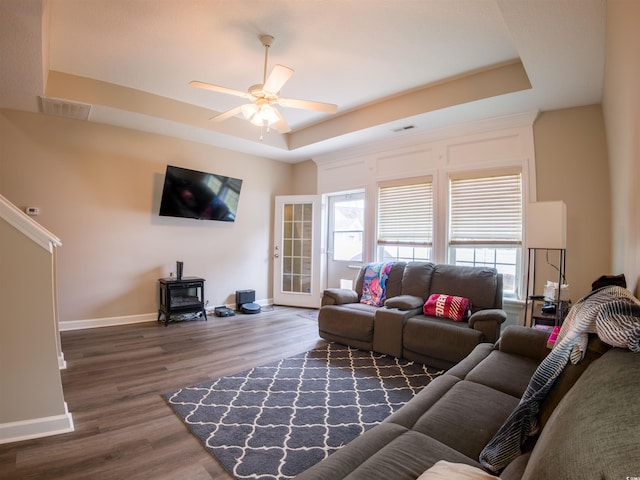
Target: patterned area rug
[275, 421]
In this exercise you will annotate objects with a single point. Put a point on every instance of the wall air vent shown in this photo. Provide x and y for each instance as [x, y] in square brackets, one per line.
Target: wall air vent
[65, 108]
[402, 129]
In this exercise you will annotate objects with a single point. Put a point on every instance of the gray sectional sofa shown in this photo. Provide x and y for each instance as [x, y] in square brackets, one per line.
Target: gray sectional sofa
[588, 428]
[400, 329]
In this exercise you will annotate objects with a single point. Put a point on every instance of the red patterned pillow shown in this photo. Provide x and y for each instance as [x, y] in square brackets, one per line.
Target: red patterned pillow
[447, 306]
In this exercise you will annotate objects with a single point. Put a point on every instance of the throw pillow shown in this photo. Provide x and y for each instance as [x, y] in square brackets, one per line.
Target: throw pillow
[444, 470]
[447, 306]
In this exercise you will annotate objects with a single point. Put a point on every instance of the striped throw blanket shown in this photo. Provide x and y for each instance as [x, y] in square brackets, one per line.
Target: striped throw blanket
[614, 314]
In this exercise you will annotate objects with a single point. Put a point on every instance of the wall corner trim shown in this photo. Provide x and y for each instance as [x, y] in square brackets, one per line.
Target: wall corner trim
[36, 427]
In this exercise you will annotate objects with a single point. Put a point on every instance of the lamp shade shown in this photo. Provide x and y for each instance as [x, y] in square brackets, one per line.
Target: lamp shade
[260, 115]
[546, 225]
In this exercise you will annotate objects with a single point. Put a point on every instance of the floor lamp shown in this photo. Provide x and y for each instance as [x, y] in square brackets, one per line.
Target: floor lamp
[546, 229]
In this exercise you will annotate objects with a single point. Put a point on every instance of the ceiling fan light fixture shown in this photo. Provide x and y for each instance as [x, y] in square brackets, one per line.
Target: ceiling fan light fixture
[261, 96]
[260, 115]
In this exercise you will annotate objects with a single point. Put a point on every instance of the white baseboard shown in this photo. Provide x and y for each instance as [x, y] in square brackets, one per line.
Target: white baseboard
[129, 319]
[107, 322]
[36, 427]
[62, 364]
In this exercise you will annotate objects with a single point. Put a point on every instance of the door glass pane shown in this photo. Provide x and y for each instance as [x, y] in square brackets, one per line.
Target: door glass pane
[297, 236]
[347, 246]
[348, 226]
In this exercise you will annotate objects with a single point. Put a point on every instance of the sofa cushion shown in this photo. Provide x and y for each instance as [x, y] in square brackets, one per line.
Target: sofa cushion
[416, 279]
[506, 372]
[444, 470]
[477, 284]
[479, 353]
[593, 432]
[411, 412]
[447, 306]
[353, 320]
[387, 451]
[516, 468]
[483, 409]
[529, 342]
[439, 338]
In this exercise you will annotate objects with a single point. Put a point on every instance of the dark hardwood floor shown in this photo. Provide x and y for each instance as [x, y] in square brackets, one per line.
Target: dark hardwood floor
[113, 384]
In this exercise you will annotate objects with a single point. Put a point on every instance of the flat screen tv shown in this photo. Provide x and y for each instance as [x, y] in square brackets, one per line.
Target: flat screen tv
[205, 196]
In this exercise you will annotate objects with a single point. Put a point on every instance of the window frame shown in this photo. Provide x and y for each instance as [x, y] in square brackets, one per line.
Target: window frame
[380, 246]
[517, 244]
[441, 248]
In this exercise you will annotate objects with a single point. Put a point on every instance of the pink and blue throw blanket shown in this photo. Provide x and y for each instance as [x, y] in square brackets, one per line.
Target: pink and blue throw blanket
[374, 284]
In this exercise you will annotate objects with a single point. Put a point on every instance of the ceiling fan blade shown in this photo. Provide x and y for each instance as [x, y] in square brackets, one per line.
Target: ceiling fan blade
[227, 114]
[277, 78]
[217, 88]
[281, 125]
[308, 105]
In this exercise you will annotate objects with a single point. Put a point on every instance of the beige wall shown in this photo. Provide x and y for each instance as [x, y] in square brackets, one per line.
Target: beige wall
[98, 189]
[305, 178]
[621, 106]
[571, 165]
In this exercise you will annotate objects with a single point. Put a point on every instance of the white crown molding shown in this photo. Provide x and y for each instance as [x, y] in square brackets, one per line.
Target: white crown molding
[525, 119]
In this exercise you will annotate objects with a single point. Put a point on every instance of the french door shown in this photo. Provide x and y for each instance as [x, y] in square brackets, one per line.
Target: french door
[297, 248]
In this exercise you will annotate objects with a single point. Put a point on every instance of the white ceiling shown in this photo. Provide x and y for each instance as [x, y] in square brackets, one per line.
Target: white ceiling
[370, 57]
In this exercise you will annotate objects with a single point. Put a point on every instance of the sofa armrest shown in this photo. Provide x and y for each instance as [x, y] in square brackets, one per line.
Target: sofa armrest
[404, 302]
[488, 321]
[489, 315]
[388, 327]
[339, 296]
[526, 341]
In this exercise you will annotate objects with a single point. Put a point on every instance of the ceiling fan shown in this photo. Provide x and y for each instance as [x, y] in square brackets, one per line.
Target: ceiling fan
[260, 111]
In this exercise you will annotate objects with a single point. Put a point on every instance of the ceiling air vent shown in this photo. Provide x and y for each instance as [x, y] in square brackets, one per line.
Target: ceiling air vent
[65, 108]
[402, 129]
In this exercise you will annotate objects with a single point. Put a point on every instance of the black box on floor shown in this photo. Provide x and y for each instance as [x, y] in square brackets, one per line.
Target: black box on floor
[223, 312]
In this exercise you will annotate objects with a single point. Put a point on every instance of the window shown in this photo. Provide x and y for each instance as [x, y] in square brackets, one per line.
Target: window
[405, 220]
[347, 227]
[485, 224]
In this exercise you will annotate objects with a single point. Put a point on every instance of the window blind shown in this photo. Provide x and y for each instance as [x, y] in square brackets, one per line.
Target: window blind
[405, 214]
[486, 210]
